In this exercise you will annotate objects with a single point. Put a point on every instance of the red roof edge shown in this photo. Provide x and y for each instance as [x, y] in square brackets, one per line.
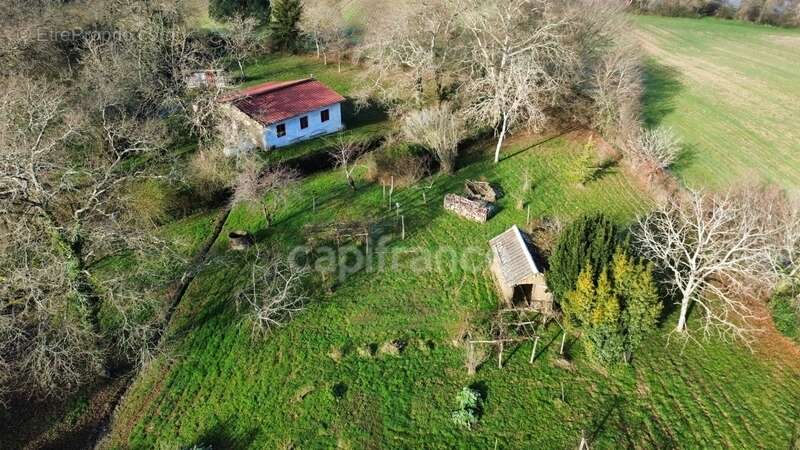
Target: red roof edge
[263, 88]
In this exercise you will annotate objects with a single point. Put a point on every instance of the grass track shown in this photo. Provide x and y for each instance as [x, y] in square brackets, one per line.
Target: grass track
[732, 91]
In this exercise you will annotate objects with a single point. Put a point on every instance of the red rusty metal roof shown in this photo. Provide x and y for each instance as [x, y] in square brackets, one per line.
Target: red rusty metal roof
[273, 102]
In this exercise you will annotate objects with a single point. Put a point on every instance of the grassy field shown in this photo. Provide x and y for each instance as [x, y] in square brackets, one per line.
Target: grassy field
[731, 90]
[322, 381]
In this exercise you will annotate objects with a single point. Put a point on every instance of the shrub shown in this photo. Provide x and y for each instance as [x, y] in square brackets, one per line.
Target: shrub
[403, 162]
[211, 172]
[150, 201]
[786, 315]
[616, 309]
[589, 239]
[586, 167]
[657, 149]
[466, 415]
[439, 130]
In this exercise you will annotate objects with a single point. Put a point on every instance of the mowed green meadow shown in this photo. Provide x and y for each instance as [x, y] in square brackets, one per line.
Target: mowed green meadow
[325, 380]
[731, 91]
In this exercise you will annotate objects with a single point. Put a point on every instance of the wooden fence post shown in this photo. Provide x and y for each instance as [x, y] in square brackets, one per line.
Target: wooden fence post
[533, 353]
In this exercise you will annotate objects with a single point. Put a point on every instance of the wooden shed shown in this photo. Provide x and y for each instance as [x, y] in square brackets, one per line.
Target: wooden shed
[518, 278]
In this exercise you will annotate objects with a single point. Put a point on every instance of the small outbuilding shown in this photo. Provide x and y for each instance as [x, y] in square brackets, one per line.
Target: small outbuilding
[277, 114]
[206, 79]
[518, 278]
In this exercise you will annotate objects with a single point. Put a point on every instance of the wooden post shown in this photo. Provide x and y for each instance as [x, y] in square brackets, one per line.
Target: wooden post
[563, 338]
[391, 191]
[528, 221]
[533, 353]
[403, 227]
[500, 356]
[584, 443]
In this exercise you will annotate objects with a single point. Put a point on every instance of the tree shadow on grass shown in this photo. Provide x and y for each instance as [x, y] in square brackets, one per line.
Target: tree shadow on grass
[686, 157]
[661, 86]
[220, 436]
[353, 116]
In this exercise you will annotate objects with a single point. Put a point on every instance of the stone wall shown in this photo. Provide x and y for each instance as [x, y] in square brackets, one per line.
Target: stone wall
[476, 210]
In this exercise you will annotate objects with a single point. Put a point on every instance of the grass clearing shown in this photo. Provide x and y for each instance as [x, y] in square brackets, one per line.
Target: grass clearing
[730, 90]
[323, 381]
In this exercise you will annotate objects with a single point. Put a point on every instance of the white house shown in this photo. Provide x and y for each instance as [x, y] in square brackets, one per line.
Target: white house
[274, 114]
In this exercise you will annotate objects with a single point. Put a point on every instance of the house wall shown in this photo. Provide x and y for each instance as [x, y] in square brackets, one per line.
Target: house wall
[240, 133]
[315, 127]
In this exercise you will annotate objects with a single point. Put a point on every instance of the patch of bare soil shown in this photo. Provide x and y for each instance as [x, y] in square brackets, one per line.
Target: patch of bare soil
[792, 42]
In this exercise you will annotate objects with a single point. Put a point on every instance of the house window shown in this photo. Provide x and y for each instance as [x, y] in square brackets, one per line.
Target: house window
[304, 122]
[281, 129]
[325, 115]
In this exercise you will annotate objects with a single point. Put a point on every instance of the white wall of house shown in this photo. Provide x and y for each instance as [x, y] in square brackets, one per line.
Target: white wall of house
[294, 132]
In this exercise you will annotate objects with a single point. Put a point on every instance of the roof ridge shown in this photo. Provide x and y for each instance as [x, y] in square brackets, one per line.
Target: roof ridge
[524, 245]
[265, 88]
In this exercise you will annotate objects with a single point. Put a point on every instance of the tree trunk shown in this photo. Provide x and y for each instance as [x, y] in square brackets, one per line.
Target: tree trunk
[681, 328]
[241, 69]
[351, 183]
[500, 139]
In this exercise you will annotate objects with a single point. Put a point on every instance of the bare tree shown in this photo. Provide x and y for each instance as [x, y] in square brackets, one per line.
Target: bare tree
[345, 153]
[414, 44]
[323, 21]
[241, 39]
[269, 187]
[438, 129]
[274, 292]
[616, 90]
[518, 60]
[712, 249]
[61, 178]
[47, 347]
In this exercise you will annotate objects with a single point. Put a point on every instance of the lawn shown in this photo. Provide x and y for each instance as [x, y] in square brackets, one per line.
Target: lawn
[323, 382]
[731, 91]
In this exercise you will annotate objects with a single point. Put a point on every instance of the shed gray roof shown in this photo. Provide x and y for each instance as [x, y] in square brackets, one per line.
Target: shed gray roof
[511, 251]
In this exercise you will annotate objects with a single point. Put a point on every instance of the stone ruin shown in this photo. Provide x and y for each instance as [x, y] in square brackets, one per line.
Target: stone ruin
[477, 204]
[240, 240]
[481, 190]
[477, 210]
